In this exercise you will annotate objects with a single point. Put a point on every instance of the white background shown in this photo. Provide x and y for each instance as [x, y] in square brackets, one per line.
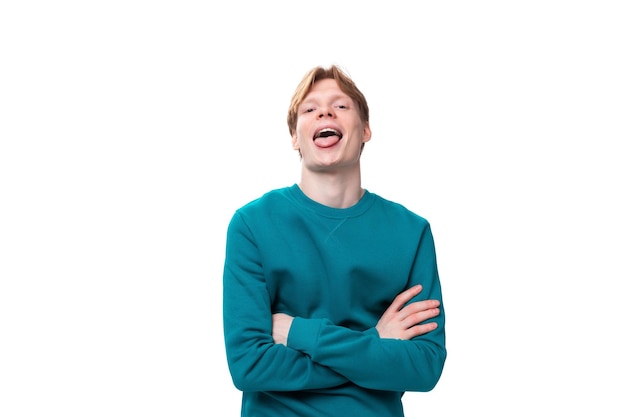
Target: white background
[131, 130]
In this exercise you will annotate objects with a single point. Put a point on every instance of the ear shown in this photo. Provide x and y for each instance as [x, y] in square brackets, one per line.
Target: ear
[367, 133]
[294, 142]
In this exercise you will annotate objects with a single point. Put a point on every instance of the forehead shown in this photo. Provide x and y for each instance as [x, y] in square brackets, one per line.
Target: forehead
[325, 87]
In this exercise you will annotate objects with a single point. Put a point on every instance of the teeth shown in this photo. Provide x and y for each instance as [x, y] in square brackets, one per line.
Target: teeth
[327, 132]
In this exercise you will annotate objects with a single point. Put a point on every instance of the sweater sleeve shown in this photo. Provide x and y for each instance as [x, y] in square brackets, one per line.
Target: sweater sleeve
[256, 363]
[373, 362]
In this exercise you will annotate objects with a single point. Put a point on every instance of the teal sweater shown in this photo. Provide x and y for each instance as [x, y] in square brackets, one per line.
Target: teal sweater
[336, 271]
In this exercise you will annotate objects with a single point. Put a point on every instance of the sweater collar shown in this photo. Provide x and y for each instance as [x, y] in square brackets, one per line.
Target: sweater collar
[360, 207]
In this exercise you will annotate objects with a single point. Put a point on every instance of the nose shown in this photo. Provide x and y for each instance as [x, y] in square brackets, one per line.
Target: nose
[325, 112]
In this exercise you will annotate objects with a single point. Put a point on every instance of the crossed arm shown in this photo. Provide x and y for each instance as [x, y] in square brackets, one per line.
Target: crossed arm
[399, 321]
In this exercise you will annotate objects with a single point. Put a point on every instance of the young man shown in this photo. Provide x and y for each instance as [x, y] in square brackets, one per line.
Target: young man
[332, 300]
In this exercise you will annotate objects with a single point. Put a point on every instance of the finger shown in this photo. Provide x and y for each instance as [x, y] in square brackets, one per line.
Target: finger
[420, 330]
[417, 306]
[420, 306]
[404, 297]
[419, 317]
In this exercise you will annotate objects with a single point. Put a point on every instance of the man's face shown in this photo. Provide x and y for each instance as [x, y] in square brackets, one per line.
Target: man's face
[329, 132]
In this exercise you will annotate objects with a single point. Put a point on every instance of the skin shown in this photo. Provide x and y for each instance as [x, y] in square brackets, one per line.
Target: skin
[332, 176]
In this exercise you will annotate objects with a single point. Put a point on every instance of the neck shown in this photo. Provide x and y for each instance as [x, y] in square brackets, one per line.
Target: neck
[332, 190]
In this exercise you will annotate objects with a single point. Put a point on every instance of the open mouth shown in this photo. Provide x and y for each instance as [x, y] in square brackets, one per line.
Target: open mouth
[325, 133]
[327, 137]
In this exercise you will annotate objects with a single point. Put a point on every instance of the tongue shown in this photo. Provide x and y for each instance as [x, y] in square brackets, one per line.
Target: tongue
[326, 142]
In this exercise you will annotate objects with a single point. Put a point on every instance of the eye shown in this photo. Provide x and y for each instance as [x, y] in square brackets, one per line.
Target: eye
[341, 106]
